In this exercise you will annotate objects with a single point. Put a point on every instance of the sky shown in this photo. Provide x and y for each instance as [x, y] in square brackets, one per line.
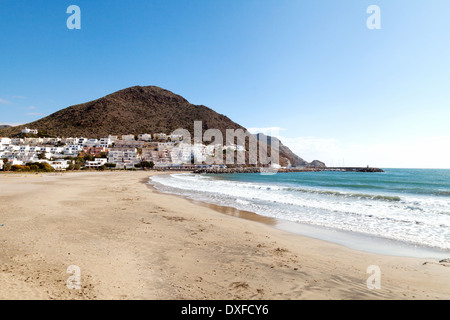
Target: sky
[330, 88]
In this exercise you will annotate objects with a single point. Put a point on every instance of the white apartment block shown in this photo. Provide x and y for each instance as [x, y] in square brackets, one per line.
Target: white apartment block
[124, 158]
[25, 148]
[182, 153]
[175, 137]
[60, 165]
[73, 149]
[165, 146]
[55, 150]
[96, 164]
[104, 142]
[160, 136]
[82, 141]
[51, 140]
[145, 137]
[129, 144]
[15, 162]
[31, 131]
[128, 137]
[166, 151]
[91, 143]
[33, 141]
[5, 141]
[17, 141]
[198, 151]
[113, 138]
[69, 140]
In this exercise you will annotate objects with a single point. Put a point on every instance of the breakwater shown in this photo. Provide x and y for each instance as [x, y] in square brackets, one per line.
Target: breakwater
[285, 170]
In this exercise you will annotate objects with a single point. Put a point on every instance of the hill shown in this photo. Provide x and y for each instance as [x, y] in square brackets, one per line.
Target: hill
[135, 110]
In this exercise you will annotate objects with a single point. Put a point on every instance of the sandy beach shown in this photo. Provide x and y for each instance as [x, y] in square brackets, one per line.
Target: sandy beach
[132, 242]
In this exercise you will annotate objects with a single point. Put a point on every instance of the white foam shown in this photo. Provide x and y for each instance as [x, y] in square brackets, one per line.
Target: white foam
[418, 220]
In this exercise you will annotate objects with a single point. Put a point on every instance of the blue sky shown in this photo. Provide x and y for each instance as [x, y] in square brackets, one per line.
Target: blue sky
[335, 90]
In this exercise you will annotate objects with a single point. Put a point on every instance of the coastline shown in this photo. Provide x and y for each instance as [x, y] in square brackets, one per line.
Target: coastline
[348, 239]
[227, 210]
[132, 242]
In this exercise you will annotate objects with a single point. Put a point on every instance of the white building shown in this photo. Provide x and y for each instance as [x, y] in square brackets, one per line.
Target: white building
[166, 146]
[73, 149]
[25, 148]
[12, 148]
[129, 144]
[31, 131]
[82, 141]
[128, 137]
[91, 143]
[33, 141]
[51, 140]
[160, 136]
[211, 149]
[113, 138]
[55, 150]
[198, 151]
[123, 158]
[234, 147]
[175, 137]
[17, 141]
[105, 142]
[6, 141]
[183, 153]
[145, 137]
[69, 140]
[60, 165]
[15, 162]
[97, 163]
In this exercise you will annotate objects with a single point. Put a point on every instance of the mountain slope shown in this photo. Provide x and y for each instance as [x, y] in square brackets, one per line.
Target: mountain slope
[133, 110]
[136, 110]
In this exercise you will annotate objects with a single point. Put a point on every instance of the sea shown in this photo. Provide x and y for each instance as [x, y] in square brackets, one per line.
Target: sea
[403, 212]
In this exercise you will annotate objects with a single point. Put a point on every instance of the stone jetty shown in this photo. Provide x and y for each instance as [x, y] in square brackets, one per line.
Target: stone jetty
[285, 170]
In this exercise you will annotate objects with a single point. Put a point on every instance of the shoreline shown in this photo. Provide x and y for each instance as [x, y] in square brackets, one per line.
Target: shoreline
[132, 242]
[227, 210]
[286, 170]
[348, 239]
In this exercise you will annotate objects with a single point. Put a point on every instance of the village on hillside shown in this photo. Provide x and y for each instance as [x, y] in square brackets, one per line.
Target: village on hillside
[144, 151]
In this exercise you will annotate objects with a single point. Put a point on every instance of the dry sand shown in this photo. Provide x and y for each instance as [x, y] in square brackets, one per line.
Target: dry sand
[131, 242]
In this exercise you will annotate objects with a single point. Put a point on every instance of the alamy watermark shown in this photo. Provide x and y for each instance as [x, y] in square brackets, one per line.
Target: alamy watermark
[74, 281]
[374, 280]
[74, 21]
[374, 20]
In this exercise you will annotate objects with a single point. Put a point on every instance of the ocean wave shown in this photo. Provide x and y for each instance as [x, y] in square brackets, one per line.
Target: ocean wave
[441, 193]
[351, 195]
[414, 219]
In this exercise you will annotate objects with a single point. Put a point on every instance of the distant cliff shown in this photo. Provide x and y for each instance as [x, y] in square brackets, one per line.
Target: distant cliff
[317, 164]
[294, 160]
